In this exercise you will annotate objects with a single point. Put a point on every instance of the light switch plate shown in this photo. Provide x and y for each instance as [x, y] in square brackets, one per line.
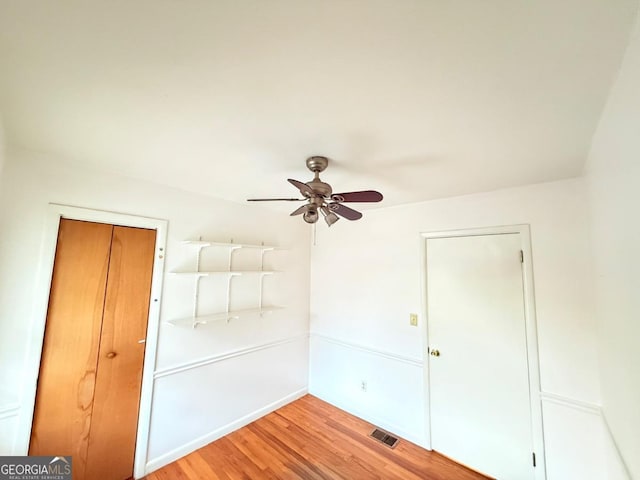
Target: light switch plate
[413, 319]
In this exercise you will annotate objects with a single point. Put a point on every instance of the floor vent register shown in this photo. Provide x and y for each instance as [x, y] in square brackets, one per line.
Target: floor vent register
[384, 437]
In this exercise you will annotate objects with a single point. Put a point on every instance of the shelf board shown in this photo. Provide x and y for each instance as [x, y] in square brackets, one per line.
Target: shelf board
[223, 272]
[215, 317]
[204, 243]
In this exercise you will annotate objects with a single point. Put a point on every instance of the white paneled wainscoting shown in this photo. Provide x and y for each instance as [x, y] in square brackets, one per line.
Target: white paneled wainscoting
[244, 385]
[387, 389]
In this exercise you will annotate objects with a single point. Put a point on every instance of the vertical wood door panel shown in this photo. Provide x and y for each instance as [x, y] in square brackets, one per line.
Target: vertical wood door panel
[479, 387]
[118, 383]
[62, 416]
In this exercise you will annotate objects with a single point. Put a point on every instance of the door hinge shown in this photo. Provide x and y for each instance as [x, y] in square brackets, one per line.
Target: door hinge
[534, 458]
[521, 256]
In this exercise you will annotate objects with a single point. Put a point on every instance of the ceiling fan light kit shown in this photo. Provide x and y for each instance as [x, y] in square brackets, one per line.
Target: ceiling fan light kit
[311, 215]
[329, 216]
[320, 197]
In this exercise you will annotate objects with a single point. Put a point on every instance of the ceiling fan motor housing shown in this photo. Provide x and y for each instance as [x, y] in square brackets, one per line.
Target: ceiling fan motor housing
[320, 189]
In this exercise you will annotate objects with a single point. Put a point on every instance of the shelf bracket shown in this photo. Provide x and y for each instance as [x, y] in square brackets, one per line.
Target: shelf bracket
[260, 296]
[232, 248]
[196, 296]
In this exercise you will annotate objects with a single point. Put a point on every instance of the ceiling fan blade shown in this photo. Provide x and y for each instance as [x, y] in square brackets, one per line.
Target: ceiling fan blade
[344, 211]
[299, 210]
[363, 196]
[303, 187]
[275, 199]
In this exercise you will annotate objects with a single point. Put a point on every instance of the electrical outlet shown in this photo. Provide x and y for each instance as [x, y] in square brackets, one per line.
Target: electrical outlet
[363, 385]
[413, 319]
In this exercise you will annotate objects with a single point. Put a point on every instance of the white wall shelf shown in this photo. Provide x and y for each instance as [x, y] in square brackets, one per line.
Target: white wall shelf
[203, 244]
[228, 314]
[225, 272]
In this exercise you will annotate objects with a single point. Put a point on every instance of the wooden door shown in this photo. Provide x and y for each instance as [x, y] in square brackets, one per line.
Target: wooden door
[90, 375]
[64, 400]
[479, 387]
[117, 395]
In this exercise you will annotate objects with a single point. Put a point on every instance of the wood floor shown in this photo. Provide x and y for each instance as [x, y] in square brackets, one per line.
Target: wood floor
[311, 440]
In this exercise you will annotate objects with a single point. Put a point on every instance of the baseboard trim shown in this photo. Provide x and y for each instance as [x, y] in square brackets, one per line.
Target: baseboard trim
[200, 442]
[588, 407]
[373, 351]
[378, 422]
[164, 372]
[592, 409]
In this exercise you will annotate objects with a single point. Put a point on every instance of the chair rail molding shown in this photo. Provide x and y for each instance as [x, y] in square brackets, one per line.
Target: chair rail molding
[183, 367]
[416, 362]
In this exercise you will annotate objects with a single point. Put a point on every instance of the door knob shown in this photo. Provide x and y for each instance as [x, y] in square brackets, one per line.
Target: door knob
[111, 354]
[435, 353]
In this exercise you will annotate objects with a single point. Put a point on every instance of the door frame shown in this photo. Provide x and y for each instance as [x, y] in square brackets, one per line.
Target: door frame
[533, 362]
[40, 307]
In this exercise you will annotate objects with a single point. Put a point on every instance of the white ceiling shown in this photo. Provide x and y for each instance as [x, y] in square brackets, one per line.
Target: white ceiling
[418, 99]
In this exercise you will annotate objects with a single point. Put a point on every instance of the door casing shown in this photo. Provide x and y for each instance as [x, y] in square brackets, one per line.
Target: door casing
[41, 302]
[530, 326]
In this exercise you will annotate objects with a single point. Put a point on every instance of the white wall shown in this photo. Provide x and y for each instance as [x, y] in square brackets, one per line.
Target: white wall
[366, 279]
[613, 175]
[244, 368]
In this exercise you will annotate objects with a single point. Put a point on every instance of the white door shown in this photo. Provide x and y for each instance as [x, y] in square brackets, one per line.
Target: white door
[479, 384]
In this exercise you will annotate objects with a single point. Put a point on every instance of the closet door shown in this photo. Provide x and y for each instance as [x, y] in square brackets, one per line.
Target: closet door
[88, 393]
[62, 416]
[117, 394]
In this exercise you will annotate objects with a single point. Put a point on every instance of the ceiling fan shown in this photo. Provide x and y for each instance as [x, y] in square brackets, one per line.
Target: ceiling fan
[321, 199]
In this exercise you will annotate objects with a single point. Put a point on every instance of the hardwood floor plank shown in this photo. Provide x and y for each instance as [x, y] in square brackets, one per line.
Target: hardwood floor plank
[297, 462]
[375, 455]
[194, 466]
[328, 453]
[311, 440]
